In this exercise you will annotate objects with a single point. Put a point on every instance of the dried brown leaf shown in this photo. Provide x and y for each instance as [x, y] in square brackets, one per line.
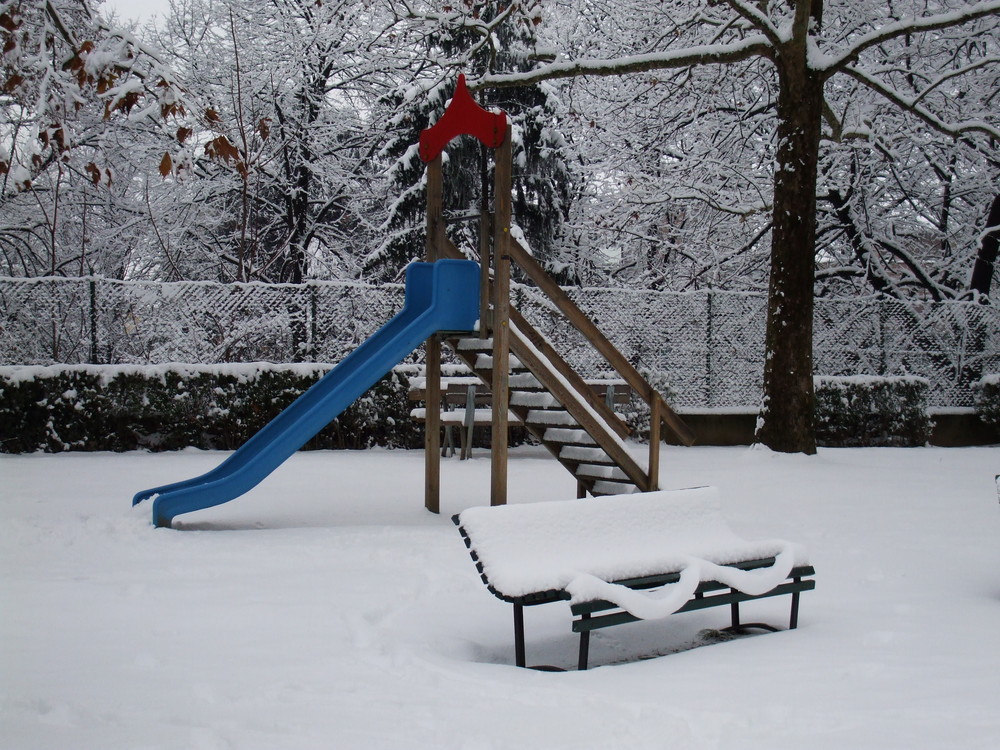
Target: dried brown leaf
[166, 165]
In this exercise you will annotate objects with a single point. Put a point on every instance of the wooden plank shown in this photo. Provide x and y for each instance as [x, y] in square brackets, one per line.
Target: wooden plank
[435, 218]
[432, 427]
[502, 175]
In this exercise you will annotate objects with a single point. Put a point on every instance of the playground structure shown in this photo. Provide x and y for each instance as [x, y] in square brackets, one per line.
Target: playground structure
[514, 360]
[445, 296]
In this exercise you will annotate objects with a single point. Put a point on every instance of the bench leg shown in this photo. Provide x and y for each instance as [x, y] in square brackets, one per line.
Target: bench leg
[735, 611]
[519, 659]
[584, 646]
[465, 437]
[793, 621]
[448, 449]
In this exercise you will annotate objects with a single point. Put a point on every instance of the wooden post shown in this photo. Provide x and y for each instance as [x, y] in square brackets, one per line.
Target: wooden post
[501, 319]
[654, 442]
[432, 364]
[485, 234]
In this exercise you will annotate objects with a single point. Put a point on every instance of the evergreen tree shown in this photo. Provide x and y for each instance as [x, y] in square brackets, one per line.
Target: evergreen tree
[485, 37]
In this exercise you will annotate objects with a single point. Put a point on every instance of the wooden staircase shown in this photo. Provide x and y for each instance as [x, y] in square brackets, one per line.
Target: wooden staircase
[579, 430]
[515, 361]
[555, 403]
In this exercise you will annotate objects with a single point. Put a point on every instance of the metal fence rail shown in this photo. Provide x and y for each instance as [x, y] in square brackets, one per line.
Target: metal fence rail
[707, 345]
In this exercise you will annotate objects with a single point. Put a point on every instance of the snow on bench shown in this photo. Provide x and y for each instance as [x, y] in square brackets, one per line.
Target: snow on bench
[648, 555]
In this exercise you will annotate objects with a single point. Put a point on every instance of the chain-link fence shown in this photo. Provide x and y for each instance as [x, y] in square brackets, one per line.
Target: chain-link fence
[708, 345]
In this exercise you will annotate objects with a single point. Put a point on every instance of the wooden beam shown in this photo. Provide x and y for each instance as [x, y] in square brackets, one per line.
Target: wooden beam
[432, 362]
[502, 175]
[593, 426]
[654, 444]
[435, 211]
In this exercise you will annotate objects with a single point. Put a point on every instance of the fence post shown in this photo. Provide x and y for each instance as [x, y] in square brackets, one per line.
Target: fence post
[882, 303]
[709, 380]
[313, 310]
[93, 322]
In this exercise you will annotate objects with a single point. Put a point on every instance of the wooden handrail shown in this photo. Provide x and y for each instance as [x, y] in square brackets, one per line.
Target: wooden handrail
[599, 341]
[571, 376]
[564, 392]
[560, 365]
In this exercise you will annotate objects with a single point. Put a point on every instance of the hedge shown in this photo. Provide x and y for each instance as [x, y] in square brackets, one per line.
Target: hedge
[865, 410]
[119, 408]
[986, 393]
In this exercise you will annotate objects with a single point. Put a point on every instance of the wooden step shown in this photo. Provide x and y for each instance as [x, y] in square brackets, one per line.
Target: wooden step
[471, 344]
[602, 472]
[553, 417]
[533, 399]
[608, 487]
[485, 362]
[524, 381]
[585, 454]
[566, 436]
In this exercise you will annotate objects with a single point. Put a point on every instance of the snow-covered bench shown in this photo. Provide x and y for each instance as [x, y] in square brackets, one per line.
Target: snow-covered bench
[623, 558]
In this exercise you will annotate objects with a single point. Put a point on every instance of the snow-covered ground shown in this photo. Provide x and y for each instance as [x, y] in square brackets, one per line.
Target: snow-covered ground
[327, 609]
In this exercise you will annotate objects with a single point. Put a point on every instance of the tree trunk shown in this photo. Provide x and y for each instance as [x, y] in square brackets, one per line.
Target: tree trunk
[786, 421]
[982, 271]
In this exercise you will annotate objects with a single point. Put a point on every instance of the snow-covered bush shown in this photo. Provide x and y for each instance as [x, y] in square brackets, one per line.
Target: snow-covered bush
[867, 410]
[117, 408]
[986, 393]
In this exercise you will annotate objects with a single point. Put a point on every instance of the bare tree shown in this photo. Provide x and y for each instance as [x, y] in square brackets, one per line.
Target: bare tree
[807, 45]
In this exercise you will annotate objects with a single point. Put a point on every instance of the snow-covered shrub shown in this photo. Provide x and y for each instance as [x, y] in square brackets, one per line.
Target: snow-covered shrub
[168, 407]
[868, 410]
[986, 393]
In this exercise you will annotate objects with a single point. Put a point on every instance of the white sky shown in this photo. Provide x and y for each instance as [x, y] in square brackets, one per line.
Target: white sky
[142, 10]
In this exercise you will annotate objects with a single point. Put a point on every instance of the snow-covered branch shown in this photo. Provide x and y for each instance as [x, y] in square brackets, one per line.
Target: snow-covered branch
[712, 54]
[759, 21]
[912, 105]
[943, 78]
[850, 55]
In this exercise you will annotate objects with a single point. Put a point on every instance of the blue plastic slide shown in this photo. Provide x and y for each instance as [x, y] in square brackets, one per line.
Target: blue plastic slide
[441, 296]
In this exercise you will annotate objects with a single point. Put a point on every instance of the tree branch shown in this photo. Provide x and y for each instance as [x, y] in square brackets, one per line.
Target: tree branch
[714, 54]
[759, 21]
[912, 105]
[955, 73]
[842, 61]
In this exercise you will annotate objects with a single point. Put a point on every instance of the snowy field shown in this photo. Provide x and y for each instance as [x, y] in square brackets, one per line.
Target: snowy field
[327, 609]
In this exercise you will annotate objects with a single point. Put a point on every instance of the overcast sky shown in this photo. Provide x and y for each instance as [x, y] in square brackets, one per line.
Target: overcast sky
[140, 9]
